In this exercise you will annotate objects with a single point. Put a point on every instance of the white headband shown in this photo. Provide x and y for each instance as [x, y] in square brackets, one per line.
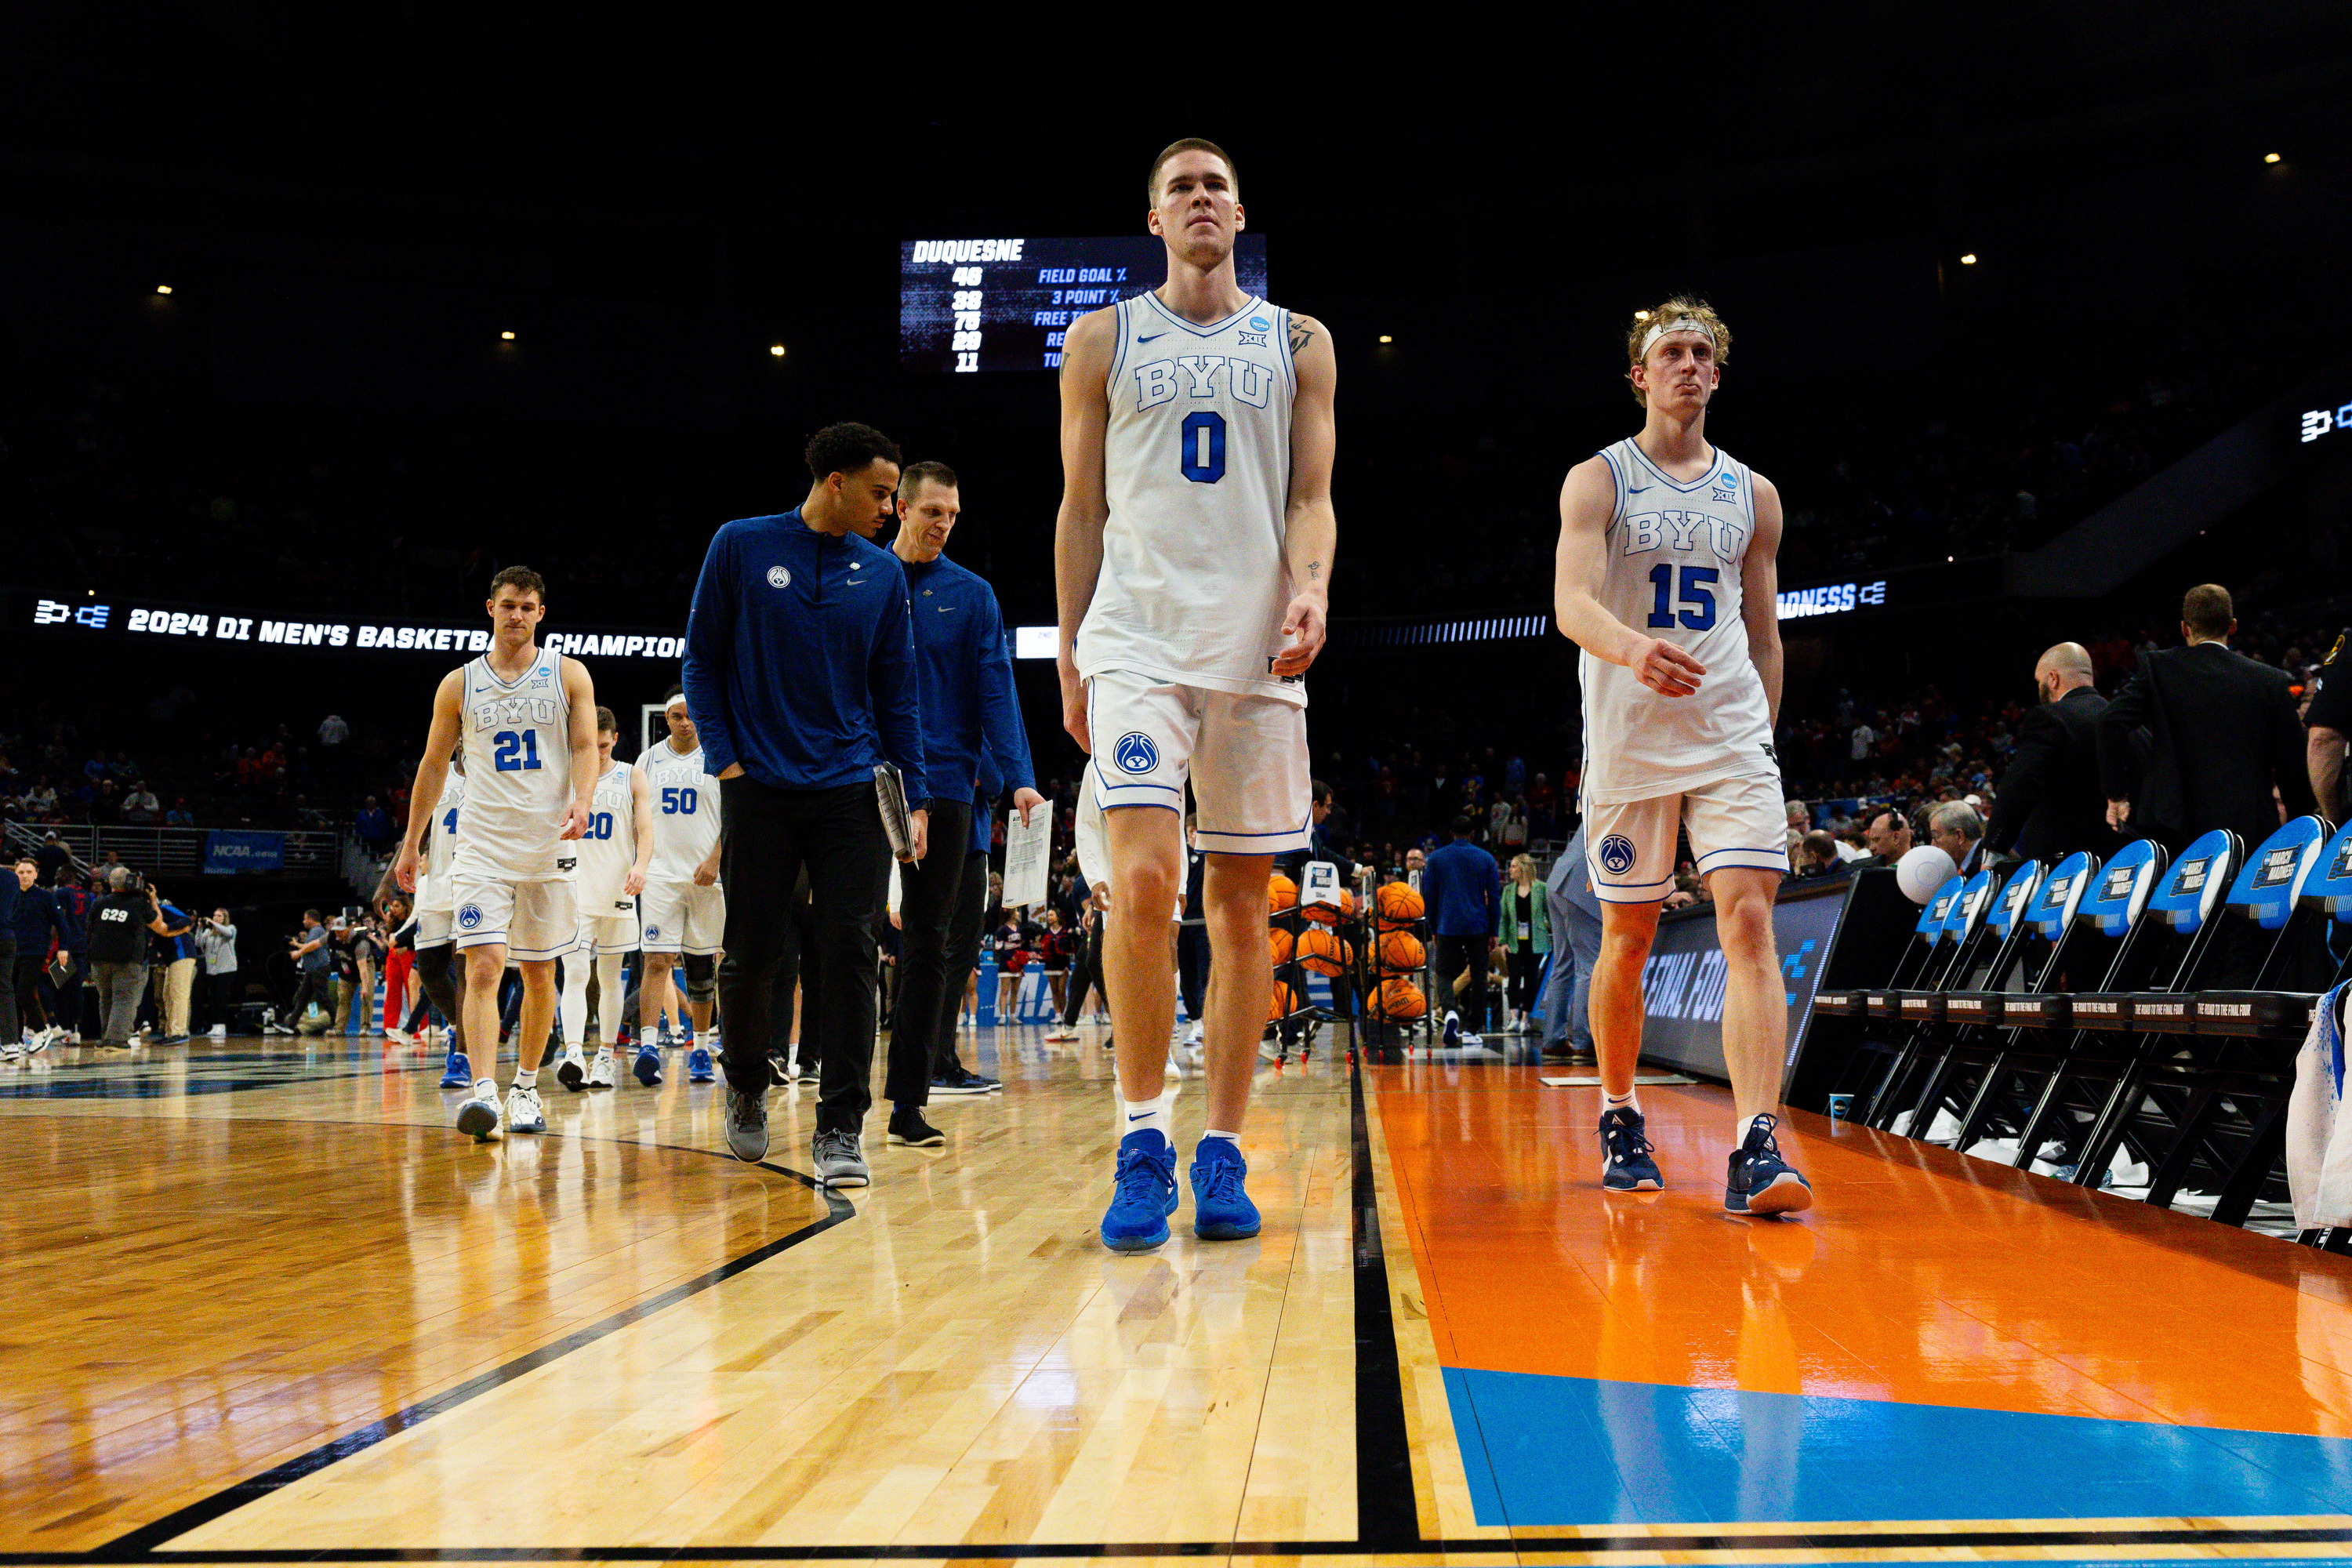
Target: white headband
[1679, 324]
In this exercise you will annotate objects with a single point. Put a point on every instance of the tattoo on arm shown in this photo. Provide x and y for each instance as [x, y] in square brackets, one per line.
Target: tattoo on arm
[1301, 333]
[1314, 571]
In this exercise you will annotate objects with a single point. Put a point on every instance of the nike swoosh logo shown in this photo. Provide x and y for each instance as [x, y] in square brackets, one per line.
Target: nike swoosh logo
[1139, 1116]
[1152, 339]
[945, 609]
[1636, 490]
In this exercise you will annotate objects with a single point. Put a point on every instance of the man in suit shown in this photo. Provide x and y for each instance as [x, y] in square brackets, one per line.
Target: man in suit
[2222, 733]
[1888, 833]
[2329, 719]
[1954, 827]
[2050, 803]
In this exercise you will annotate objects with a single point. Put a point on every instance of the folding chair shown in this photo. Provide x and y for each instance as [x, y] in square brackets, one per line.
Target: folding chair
[2207, 1091]
[1972, 1057]
[1975, 944]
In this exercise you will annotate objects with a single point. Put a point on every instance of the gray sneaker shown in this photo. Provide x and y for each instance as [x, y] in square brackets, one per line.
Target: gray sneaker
[840, 1162]
[747, 1125]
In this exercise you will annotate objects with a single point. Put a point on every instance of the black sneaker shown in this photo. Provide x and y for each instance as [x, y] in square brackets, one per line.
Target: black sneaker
[809, 1072]
[958, 1082]
[908, 1127]
[1626, 1166]
[779, 1073]
[986, 1084]
[1760, 1181]
[747, 1125]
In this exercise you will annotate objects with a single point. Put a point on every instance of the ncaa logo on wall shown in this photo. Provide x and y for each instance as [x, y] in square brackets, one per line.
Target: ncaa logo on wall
[779, 578]
[1135, 754]
[469, 916]
[1616, 854]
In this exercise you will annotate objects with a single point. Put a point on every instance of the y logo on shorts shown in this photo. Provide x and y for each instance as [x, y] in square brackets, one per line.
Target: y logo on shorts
[1135, 754]
[1616, 854]
[469, 917]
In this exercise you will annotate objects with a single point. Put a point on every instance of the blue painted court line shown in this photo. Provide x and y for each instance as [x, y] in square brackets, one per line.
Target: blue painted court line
[1567, 1451]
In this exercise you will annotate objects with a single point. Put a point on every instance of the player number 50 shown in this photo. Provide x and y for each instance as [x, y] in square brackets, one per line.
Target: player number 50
[678, 802]
[1696, 597]
[1200, 451]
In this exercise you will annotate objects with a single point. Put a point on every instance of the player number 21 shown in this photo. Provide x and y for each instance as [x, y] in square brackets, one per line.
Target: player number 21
[515, 753]
[1697, 612]
[1200, 447]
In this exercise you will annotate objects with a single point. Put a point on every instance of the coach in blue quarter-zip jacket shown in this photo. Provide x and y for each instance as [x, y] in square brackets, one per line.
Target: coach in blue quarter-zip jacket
[800, 671]
[969, 713]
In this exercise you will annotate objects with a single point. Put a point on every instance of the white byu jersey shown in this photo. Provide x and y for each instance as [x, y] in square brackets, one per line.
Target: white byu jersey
[1675, 552]
[609, 847]
[441, 845]
[686, 811]
[1196, 461]
[518, 741]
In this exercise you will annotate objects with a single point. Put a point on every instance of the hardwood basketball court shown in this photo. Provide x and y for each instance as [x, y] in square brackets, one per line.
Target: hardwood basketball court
[264, 1305]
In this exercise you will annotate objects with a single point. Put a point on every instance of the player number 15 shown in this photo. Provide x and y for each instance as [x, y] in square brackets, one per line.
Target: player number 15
[1696, 597]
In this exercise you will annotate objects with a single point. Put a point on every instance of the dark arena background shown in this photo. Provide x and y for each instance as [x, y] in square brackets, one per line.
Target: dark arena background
[315, 323]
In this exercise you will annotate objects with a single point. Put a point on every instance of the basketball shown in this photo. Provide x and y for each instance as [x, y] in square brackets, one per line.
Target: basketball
[1279, 943]
[1324, 952]
[1400, 999]
[1922, 870]
[1399, 904]
[1401, 953]
[1285, 1001]
[1281, 894]
[1331, 914]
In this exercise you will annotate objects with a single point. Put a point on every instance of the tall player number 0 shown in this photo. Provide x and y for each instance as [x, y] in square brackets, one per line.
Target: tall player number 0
[1200, 447]
[1696, 597]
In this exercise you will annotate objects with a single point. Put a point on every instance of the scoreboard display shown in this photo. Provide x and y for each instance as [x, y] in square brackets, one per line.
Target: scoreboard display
[1005, 305]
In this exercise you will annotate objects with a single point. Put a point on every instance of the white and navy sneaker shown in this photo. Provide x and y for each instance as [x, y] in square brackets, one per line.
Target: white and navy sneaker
[603, 1071]
[524, 1112]
[1626, 1163]
[478, 1114]
[571, 1073]
[1761, 1182]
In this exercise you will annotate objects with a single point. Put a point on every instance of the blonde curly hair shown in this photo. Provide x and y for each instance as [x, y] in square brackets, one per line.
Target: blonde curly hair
[1698, 309]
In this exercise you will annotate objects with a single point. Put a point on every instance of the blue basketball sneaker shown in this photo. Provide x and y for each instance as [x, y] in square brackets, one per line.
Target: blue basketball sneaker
[1625, 1163]
[1221, 1211]
[1761, 1182]
[458, 1073]
[647, 1066]
[1143, 1193]
[698, 1066]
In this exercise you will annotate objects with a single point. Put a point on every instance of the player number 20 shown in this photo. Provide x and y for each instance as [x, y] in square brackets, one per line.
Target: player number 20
[515, 753]
[678, 802]
[1200, 451]
[1696, 597]
[599, 826]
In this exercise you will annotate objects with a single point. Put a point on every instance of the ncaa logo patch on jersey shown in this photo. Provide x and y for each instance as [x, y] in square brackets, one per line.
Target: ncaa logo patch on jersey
[1616, 854]
[1135, 754]
[779, 578]
[469, 916]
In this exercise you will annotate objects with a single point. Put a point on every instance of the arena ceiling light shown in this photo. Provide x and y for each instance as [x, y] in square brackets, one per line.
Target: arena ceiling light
[163, 287]
[1970, 259]
[777, 350]
[2269, 157]
[1386, 339]
[505, 337]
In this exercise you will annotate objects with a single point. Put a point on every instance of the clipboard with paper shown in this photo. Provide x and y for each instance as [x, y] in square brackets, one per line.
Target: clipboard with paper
[1026, 846]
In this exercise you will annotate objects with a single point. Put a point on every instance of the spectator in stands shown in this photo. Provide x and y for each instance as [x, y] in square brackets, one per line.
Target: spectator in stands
[41, 800]
[141, 807]
[1462, 888]
[217, 950]
[71, 1001]
[333, 732]
[179, 815]
[1816, 854]
[1954, 827]
[1799, 818]
[2050, 803]
[1888, 836]
[176, 953]
[373, 828]
[2223, 734]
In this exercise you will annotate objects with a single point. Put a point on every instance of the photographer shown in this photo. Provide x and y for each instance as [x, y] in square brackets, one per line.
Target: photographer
[120, 922]
[314, 964]
[216, 946]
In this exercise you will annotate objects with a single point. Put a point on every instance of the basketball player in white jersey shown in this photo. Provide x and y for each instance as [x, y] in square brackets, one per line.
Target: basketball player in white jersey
[685, 908]
[527, 718]
[615, 850]
[435, 941]
[1666, 579]
[1192, 567]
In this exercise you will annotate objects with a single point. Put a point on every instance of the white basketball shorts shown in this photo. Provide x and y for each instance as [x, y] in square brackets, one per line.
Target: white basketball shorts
[433, 929]
[680, 917]
[1732, 822]
[534, 920]
[1247, 758]
[609, 927]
